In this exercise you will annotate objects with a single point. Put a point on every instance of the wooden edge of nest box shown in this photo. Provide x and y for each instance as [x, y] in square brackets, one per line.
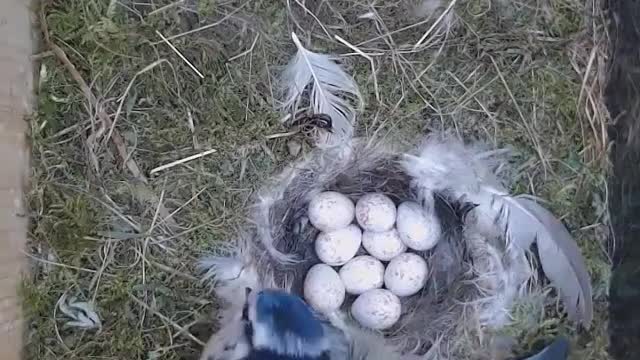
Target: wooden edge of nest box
[17, 44]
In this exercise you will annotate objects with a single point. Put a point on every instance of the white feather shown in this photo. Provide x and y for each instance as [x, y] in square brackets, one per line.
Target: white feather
[332, 91]
[230, 276]
[446, 164]
[221, 269]
[229, 342]
[82, 314]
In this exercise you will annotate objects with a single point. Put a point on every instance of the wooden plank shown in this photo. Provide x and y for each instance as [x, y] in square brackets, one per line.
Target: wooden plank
[16, 77]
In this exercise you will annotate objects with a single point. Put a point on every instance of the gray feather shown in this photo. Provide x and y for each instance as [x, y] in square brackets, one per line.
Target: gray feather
[332, 91]
[446, 164]
[562, 262]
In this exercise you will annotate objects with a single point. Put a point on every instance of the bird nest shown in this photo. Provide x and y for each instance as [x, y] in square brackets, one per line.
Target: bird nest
[476, 272]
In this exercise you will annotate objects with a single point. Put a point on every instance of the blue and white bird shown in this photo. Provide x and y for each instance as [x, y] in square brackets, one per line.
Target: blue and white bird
[275, 325]
[281, 326]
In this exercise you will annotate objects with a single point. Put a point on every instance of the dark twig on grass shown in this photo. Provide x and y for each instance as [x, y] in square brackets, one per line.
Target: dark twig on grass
[116, 137]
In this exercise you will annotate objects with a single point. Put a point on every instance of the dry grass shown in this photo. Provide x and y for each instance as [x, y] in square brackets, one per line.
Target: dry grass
[108, 229]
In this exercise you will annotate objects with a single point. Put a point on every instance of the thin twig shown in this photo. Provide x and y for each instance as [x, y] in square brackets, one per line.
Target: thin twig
[250, 50]
[184, 205]
[63, 265]
[164, 318]
[98, 276]
[600, 142]
[180, 54]
[472, 95]
[408, 27]
[364, 55]
[324, 29]
[112, 126]
[163, 8]
[173, 271]
[205, 27]
[435, 24]
[281, 135]
[181, 161]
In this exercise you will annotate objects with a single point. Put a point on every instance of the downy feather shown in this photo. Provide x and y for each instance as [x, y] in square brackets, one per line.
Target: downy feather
[230, 276]
[331, 90]
[446, 164]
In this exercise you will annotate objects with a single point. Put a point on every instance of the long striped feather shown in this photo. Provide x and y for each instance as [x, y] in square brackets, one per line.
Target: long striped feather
[330, 89]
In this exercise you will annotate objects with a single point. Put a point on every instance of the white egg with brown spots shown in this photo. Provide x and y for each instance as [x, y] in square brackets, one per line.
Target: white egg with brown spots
[383, 245]
[406, 274]
[337, 247]
[418, 229]
[375, 212]
[330, 210]
[362, 273]
[377, 309]
[323, 289]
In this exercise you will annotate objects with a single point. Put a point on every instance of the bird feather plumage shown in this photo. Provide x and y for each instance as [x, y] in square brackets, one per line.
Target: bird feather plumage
[557, 350]
[331, 90]
[285, 325]
[562, 262]
[446, 164]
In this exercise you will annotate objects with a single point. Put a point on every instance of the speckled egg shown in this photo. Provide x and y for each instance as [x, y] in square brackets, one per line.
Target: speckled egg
[337, 247]
[406, 274]
[375, 212]
[377, 309]
[323, 289]
[362, 273]
[330, 210]
[418, 230]
[383, 245]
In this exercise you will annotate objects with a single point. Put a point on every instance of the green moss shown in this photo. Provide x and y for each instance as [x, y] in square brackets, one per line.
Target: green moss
[567, 17]
[37, 299]
[206, 7]
[66, 223]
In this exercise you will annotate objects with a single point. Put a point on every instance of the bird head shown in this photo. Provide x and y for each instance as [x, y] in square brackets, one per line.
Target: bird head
[281, 326]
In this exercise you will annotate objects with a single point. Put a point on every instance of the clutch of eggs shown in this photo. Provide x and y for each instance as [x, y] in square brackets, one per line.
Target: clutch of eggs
[385, 232]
